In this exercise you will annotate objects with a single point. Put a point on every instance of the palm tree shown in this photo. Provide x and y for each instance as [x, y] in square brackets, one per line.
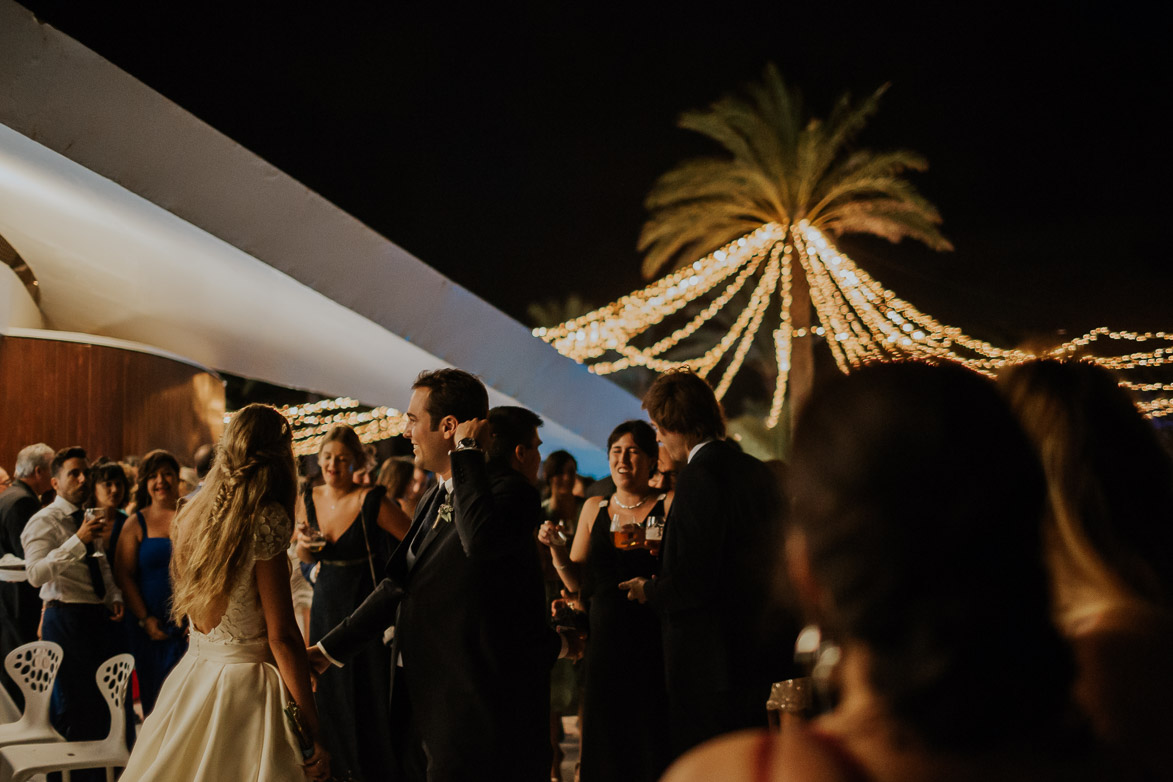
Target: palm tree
[783, 168]
[754, 229]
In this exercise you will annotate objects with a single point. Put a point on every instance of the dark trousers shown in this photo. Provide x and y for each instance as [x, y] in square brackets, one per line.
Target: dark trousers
[20, 613]
[88, 638]
[406, 743]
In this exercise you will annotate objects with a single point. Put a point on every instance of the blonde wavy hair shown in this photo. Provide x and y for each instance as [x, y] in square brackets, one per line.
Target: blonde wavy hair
[1109, 532]
[214, 533]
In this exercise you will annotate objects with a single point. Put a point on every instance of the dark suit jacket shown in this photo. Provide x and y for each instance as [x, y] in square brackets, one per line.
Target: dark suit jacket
[20, 604]
[470, 624]
[713, 593]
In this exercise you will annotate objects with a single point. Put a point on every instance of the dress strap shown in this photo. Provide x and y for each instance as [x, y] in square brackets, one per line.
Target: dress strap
[142, 523]
[763, 757]
[311, 513]
[370, 514]
[604, 502]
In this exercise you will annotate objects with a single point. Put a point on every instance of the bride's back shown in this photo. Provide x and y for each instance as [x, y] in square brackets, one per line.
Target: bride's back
[245, 504]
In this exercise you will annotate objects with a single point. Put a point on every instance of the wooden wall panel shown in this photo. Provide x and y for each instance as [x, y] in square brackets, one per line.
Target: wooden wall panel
[111, 401]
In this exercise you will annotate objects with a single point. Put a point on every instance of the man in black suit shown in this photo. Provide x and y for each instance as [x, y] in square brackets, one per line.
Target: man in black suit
[722, 646]
[472, 648]
[20, 605]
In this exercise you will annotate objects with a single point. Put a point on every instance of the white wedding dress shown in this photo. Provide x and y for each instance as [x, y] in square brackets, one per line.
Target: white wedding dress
[219, 717]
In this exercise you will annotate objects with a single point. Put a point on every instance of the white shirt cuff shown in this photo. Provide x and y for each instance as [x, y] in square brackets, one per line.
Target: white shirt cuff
[326, 654]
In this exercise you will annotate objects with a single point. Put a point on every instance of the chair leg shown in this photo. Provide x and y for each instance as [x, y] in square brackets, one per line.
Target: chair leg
[109, 773]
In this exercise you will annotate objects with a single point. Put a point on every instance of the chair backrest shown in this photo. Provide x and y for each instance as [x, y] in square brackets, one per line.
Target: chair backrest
[33, 666]
[113, 677]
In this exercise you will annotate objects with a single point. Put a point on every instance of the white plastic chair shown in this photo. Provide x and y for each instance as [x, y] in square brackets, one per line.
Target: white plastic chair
[20, 762]
[33, 667]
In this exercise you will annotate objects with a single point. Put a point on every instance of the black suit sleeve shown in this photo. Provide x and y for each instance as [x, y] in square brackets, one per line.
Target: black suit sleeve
[12, 524]
[697, 537]
[366, 623]
[494, 515]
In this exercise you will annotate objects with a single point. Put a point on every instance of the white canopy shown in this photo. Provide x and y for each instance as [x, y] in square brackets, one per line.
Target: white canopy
[142, 223]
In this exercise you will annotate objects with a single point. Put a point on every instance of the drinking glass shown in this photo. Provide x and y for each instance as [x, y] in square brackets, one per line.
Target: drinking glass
[626, 531]
[653, 533]
[99, 540]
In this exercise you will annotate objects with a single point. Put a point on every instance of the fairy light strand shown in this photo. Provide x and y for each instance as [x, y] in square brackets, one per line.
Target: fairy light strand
[861, 320]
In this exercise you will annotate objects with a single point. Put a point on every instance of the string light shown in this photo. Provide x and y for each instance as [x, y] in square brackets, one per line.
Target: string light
[310, 422]
[861, 320]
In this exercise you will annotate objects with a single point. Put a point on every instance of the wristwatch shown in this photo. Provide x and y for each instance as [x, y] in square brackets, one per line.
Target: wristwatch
[467, 444]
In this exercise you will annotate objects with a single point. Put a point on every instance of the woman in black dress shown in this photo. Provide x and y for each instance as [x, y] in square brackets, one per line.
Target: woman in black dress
[351, 530]
[624, 704]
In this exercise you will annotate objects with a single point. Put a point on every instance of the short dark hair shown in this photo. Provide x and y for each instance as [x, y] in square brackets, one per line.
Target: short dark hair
[555, 463]
[511, 426]
[203, 458]
[105, 470]
[919, 575]
[681, 402]
[64, 455]
[453, 392]
[150, 465]
[644, 436]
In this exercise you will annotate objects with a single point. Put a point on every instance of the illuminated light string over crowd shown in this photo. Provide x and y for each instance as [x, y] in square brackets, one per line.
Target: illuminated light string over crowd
[311, 422]
[861, 320]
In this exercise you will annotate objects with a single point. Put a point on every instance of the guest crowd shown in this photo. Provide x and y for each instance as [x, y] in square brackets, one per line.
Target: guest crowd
[986, 568]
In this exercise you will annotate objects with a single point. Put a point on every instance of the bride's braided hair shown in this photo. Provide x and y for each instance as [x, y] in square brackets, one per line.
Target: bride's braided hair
[215, 535]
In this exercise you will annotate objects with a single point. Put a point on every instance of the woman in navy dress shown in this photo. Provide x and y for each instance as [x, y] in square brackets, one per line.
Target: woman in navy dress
[350, 530]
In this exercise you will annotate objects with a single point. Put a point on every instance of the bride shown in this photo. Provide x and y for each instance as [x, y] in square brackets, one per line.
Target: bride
[220, 713]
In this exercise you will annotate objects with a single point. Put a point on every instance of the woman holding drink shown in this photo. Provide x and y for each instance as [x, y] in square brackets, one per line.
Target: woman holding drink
[351, 530]
[142, 569]
[624, 708]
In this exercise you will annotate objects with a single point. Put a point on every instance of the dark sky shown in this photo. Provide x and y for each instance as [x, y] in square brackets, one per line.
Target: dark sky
[511, 145]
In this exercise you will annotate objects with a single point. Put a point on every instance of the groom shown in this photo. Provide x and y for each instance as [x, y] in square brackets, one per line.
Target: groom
[472, 649]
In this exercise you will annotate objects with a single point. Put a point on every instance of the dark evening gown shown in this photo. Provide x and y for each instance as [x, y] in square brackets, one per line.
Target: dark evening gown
[353, 701]
[625, 710]
[153, 660]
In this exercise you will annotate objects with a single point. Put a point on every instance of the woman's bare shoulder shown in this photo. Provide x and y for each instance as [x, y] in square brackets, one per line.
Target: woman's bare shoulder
[758, 756]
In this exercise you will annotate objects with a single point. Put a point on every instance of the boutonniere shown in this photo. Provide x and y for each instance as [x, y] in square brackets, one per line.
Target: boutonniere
[443, 514]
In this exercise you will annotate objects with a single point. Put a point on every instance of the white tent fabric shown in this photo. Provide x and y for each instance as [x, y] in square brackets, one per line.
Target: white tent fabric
[142, 223]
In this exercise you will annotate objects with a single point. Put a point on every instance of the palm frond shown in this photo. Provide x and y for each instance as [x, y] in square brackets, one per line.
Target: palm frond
[782, 168]
[892, 219]
[698, 227]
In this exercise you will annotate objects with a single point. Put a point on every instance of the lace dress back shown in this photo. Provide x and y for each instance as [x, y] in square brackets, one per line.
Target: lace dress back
[220, 713]
[243, 618]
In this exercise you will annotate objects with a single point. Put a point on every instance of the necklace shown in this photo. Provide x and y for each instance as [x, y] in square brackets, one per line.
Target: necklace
[631, 507]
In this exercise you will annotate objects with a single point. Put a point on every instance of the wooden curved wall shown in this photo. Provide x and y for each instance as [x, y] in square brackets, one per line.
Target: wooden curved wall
[111, 401]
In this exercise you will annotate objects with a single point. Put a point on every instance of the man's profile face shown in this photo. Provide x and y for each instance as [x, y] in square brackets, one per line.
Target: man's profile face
[70, 480]
[531, 459]
[673, 443]
[429, 444]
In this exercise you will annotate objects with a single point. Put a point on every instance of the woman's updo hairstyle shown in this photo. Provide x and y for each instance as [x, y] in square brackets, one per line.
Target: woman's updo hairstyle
[349, 440]
[920, 498]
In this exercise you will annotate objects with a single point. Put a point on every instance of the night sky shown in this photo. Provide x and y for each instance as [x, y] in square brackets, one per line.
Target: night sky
[510, 146]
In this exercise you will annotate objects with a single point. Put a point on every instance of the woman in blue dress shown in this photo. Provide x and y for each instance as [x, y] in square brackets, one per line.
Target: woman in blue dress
[142, 568]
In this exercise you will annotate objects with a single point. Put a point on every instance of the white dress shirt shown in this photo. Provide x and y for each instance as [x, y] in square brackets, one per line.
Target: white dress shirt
[696, 448]
[55, 558]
